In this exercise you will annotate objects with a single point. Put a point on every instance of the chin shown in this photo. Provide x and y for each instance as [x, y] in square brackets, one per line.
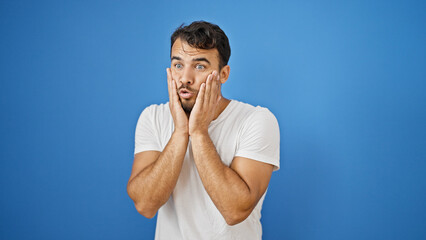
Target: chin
[187, 106]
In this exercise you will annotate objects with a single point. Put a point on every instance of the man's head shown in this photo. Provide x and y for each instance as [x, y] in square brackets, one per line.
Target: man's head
[196, 51]
[204, 35]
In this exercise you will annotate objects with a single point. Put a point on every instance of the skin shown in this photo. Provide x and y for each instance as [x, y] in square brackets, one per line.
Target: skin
[194, 83]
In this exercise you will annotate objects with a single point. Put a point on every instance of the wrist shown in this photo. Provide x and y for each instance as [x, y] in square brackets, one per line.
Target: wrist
[181, 132]
[199, 133]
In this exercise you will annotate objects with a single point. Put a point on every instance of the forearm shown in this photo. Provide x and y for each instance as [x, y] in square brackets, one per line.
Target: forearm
[152, 187]
[226, 188]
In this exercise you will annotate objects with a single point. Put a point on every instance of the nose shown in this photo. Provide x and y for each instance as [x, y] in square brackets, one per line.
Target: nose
[187, 77]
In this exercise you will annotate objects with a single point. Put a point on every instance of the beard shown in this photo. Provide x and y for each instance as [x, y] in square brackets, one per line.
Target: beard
[188, 104]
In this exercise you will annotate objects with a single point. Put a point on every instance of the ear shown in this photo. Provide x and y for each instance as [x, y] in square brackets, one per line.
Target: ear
[224, 74]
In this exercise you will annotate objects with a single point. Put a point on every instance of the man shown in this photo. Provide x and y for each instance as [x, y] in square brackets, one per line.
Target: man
[203, 161]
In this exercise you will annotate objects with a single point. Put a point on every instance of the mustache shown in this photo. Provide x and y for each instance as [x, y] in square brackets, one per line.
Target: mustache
[188, 88]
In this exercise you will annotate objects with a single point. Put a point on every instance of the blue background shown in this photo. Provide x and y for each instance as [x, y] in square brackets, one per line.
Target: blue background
[345, 79]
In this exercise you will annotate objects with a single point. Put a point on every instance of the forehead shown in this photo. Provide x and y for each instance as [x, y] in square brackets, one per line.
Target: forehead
[184, 50]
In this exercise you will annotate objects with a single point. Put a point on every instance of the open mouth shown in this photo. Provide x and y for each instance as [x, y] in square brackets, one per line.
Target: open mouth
[185, 94]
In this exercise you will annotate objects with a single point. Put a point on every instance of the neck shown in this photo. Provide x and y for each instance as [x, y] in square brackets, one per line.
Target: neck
[223, 103]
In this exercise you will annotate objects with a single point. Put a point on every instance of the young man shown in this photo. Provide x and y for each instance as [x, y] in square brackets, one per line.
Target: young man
[203, 161]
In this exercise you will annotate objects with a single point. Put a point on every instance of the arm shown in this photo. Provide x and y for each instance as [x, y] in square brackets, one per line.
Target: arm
[154, 174]
[235, 190]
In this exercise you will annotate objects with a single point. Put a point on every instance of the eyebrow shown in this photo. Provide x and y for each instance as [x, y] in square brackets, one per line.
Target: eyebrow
[202, 59]
[176, 58]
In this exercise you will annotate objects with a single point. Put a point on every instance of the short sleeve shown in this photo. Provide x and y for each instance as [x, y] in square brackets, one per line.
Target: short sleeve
[146, 135]
[259, 138]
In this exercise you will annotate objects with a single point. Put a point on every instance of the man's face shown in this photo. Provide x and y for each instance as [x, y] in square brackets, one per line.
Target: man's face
[190, 68]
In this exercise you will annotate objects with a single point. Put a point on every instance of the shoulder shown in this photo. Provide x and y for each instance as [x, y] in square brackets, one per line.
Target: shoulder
[252, 113]
[253, 120]
[155, 113]
[259, 135]
[156, 110]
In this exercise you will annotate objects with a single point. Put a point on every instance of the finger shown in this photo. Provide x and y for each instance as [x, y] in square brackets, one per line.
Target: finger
[219, 91]
[215, 90]
[172, 86]
[174, 92]
[169, 76]
[208, 89]
[169, 84]
[199, 101]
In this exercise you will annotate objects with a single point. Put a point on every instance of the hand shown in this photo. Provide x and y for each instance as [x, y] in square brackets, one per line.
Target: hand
[179, 116]
[205, 106]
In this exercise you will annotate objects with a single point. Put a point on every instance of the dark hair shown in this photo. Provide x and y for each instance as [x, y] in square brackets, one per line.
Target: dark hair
[204, 35]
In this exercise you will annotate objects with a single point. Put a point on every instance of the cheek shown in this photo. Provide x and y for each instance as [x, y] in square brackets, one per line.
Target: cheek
[176, 74]
[202, 77]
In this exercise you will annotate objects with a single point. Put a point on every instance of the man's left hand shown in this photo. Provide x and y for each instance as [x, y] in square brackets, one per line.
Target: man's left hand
[205, 106]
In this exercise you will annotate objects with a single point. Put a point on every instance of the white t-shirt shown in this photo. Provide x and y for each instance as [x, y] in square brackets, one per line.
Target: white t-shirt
[240, 130]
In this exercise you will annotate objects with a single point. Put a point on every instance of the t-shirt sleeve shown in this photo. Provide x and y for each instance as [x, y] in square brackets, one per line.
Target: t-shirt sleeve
[146, 135]
[259, 138]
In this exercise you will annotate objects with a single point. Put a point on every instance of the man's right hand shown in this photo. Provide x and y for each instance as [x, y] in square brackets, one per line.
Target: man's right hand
[154, 173]
[179, 116]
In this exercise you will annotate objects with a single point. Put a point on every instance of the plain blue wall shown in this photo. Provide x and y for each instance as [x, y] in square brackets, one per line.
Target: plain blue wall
[346, 81]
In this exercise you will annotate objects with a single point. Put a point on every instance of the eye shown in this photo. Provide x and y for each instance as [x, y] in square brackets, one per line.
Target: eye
[178, 66]
[199, 67]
